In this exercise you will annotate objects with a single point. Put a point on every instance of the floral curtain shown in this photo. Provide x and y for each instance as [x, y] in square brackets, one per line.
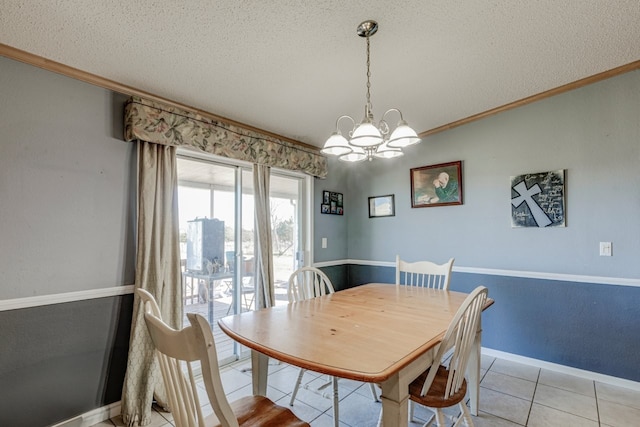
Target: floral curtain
[154, 122]
[157, 271]
[265, 288]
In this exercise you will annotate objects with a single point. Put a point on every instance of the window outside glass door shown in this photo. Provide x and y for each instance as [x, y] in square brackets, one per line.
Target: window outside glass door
[287, 229]
[216, 220]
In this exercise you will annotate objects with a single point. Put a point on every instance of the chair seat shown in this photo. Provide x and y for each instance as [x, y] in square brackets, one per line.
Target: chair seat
[435, 396]
[259, 411]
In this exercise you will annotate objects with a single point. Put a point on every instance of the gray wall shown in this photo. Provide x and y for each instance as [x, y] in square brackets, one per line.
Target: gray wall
[579, 321]
[65, 185]
[333, 227]
[592, 132]
[67, 211]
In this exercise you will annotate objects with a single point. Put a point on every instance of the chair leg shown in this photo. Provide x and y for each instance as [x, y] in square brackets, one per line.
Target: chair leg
[441, 421]
[437, 415]
[380, 419]
[336, 418]
[248, 303]
[465, 416]
[373, 392]
[295, 388]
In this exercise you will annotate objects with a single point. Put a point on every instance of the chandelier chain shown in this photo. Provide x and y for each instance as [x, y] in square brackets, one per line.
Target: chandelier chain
[370, 107]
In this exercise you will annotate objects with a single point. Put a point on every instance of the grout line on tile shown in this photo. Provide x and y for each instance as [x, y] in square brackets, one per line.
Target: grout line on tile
[485, 374]
[535, 389]
[492, 362]
[497, 416]
[595, 393]
[566, 412]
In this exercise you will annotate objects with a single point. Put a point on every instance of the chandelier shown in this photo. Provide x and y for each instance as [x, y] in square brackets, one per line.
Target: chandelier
[368, 139]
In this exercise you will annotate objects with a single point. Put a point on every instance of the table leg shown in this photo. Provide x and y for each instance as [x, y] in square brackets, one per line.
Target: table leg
[395, 391]
[259, 371]
[395, 402]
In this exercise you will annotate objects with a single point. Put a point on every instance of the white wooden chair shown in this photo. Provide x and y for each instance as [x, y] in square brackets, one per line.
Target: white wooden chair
[195, 343]
[443, 386]
[306, 283]
[423, 273]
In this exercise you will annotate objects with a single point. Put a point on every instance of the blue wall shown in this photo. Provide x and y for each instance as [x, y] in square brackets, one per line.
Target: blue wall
[582, 325]
[587, 326]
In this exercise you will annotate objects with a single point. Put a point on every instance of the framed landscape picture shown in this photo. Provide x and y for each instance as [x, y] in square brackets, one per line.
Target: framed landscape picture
[382, 206]
[436, 185]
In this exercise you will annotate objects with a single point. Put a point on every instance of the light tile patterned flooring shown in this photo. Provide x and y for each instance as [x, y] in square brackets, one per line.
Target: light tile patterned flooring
[511, 394]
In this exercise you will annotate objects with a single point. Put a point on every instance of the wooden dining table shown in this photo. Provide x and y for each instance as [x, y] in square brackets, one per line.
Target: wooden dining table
[378, 333]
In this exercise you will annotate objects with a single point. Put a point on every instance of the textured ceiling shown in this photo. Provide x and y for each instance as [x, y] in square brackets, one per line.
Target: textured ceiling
[292, 67]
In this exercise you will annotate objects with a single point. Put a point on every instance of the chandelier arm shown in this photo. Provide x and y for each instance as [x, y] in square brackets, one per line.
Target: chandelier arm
[345, 117]
[384, 125]
[390, 110]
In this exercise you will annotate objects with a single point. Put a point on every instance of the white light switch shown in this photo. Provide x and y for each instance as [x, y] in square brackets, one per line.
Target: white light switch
[605, 248]
[324, 243]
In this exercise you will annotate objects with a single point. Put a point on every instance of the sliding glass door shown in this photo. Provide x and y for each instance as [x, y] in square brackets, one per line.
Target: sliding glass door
[216, 214]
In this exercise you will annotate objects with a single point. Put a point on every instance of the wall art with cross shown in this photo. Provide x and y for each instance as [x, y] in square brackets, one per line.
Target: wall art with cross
[537, 199]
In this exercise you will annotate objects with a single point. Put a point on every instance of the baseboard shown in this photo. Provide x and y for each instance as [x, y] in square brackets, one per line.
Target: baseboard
[93, 417]
[594, 376]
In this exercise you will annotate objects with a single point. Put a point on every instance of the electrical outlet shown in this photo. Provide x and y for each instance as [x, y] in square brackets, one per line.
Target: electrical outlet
[605, 249]
[324, 243]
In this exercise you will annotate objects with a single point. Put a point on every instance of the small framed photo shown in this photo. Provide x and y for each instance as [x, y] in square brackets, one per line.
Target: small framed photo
[436, 185]
[382, 206]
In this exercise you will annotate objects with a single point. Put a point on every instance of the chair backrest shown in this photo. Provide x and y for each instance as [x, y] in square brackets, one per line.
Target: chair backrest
[308, 282]
[148, 302]
[460, 336]
[423, 273]
[176, 348]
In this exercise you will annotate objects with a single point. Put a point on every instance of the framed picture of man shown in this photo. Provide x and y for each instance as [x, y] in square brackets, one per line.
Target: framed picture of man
[436, 185]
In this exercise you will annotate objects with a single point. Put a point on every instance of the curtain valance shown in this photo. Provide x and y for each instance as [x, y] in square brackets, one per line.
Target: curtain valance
[167, 125]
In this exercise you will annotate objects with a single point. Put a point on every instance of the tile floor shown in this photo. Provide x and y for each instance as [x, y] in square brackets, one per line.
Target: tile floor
[511, 394]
